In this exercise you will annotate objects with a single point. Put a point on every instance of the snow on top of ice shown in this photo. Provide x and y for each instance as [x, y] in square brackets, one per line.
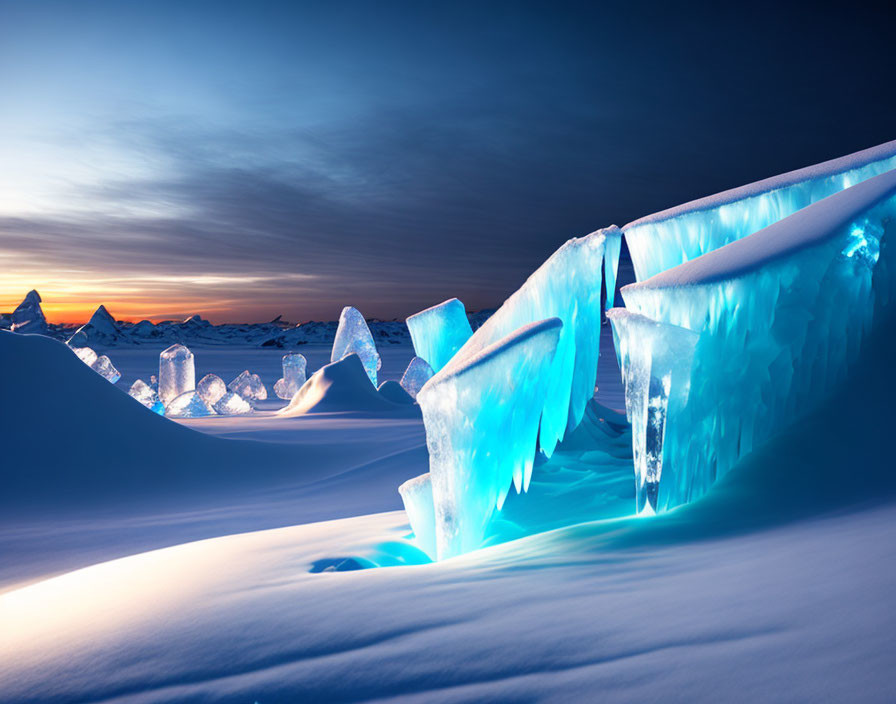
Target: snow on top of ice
[461, 364]
[816, 171]
[807, 227]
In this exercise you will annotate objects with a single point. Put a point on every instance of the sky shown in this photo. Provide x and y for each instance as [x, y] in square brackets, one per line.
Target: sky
[247, 160]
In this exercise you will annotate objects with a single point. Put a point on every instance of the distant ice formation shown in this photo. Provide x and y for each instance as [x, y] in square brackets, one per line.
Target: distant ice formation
[177, 373]
[439, 332]
[188, 405]
[146, 395]
[294, 366]
[28, 317]
[353, 337]
[211, 387]
[415, 376]
[101, 330]
[104, 367]
[249, 386]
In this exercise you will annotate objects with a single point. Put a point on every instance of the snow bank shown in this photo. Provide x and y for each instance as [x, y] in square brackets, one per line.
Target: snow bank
[341, 386]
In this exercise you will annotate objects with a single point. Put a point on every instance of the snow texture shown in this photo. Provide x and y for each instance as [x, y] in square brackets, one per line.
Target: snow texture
[439, 332]
[177, 373]
[415, 376]
[28, 318]
[353, 337]
[780, 317]
[666, 239]
[472, 464]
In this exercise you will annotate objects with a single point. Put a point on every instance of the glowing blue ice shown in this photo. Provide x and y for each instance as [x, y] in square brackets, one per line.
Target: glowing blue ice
[416, 495]
[481, 414]
[439, 332]
[353, 337]
[612, 248]
[566, 286]
[671, 237]
[780, 315]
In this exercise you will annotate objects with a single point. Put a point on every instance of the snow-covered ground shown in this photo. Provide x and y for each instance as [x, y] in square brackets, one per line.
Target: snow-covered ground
[144, 561]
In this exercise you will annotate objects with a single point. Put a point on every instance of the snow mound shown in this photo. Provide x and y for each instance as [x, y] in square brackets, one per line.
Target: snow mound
[341, 386]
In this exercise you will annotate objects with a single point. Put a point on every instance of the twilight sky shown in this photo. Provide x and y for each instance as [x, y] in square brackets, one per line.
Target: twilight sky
[243, 160]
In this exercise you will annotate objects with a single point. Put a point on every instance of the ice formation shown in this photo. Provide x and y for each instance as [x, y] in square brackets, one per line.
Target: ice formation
[101, 329]
[231, 404]
[85, 354]
[612, 248]
[566, 286]
[294, 366]
[661, 241]
[188, 405]
[177, 373]
[779, 317]
[416, 495]
[353, 337]
[249, 386]
[145, 394]
[415, 376]
[211, 387]
[103, 366]
[28, 317]
[655, 359]
[439, 332]
[481, 413]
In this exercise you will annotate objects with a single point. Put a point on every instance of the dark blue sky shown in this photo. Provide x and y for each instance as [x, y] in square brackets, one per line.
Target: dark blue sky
[243, 160]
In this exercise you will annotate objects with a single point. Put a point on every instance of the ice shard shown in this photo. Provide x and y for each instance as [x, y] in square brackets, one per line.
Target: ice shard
[177, 373]
[231, 404]
[415, 376]
[145, 394]
[353, 337]
[249, 386]
[188, 405]
[566, 286]
[28, 317]
[481, 414]
[655, 359]
[666, 239]
[416, 495]
[780, 315]
[103, 366]
[85, 354]
[439, 332]
[294, 366]
[211, 387]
